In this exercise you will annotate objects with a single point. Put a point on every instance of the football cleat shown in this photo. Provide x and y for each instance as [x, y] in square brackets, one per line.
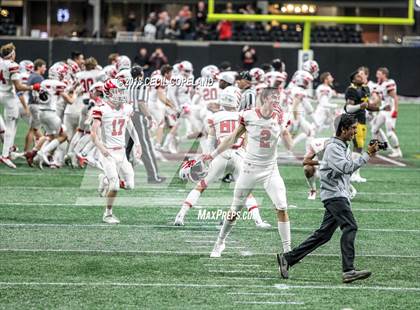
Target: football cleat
[396, 153]
[179, 220]
[43, 158]
[217, 250]
[357, 179]
[81, 161]
[353, 192]
[283, 266]
[354, 275]
[110, 219]
[263, 225]
[7, 162]
[312, 194]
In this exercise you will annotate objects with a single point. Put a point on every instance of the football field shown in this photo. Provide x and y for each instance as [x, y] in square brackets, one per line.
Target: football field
[55, 252]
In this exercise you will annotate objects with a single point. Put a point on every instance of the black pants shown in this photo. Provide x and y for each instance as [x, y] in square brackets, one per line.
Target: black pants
[337, 214]
[148, 156]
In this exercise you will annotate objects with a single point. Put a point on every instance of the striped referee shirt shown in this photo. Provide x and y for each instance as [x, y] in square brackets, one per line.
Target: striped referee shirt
[137, 91]
[248, 99]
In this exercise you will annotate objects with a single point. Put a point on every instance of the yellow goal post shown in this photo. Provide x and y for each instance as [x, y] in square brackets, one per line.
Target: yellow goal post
[308, 19]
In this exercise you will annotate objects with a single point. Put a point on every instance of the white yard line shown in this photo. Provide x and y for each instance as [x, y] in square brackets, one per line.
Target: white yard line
[17, 225]
[185, 253]
[346, 287]
[269, 302]
[390, 160]
[118, 204]
[217, 264]
[261, 294]
[241, 271]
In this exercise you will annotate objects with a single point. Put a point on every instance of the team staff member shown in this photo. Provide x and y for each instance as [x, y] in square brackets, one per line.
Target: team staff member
[335, 171]
[357, 102]
[137, 92]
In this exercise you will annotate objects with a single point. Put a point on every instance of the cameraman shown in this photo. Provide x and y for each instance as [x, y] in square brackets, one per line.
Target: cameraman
[335, 171]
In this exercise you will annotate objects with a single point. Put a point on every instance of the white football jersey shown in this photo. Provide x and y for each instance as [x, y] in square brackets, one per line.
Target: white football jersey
[263, 135]
[179, 90]
[384, 89]
[54, 88]
[113, 123]
[299, 78]
[208, 92]
[156, 82]
[224, 123]
[9, 71]
[324, 93]
[87, 79]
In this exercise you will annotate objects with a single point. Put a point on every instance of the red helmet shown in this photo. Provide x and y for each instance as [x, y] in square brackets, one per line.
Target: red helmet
[115, 92]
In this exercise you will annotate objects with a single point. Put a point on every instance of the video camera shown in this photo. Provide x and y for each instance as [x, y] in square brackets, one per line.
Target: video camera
[382, 145]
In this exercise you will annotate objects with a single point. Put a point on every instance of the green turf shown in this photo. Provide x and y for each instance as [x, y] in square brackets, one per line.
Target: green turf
[56, 253]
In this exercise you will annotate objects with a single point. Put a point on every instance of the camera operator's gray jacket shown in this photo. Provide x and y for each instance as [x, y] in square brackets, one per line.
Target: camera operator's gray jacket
[336, 168]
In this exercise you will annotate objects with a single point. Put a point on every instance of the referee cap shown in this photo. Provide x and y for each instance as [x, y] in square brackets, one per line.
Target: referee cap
[136, 72]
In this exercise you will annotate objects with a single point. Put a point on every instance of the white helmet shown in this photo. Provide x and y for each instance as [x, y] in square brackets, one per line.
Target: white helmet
[124, 76]
[230, 97]
[193, 170]
[303, 80]
[186, 67]
[123, 62]
[26, 66]
[257, 75]
[275, 79]
[110, 71]
[59, 71]
[97, 87]
[115, 92]
[312, 67]
[210, 71]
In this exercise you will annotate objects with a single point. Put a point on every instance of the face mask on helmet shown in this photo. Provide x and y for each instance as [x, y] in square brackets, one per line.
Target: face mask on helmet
[115, 92]
[193, 170]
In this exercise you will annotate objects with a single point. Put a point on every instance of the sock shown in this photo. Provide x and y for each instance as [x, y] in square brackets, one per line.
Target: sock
[108, 211]
[51, 146]
[393, 139]
[168, 140]
[190, 201]
[300, 137]
[252, 206]
[9, 137]
[284, 232]
[311, 182]
[225, 230]
[76, 138]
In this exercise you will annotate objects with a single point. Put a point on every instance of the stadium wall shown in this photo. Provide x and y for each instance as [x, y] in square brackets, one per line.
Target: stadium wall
[340, 60]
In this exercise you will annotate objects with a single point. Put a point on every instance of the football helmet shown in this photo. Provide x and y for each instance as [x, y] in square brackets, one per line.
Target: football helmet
[312, 67]
[115, 92]
[210, 71]
[230, 97]
[193, 170]
[123, 63]
[275, 79]
[59, 71]
[257, 75]
[97, 89]
[26, 66]
[186, 67]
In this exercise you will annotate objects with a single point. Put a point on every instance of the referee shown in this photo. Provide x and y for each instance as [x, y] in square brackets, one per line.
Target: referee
[137, 92]
[335, 171]
[248, 98]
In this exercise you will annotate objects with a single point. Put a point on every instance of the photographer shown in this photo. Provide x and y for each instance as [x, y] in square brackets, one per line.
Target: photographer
[335, 171]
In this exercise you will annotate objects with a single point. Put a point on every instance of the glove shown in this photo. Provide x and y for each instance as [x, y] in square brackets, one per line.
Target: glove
[394, 114]
[36, 86]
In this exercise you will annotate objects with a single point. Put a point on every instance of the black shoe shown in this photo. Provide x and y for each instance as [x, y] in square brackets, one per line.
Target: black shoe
[228, 178]
[283, 266]
[156, 181]
[354, 275]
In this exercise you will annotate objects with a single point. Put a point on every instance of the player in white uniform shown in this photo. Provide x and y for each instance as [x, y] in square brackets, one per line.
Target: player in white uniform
[221, 125]
[264, 126]
[325, 111]
[10, 82]
[111, 120]
[50, 92]
[389, 111]
[86, 79]
[159, 102]
[311, 161]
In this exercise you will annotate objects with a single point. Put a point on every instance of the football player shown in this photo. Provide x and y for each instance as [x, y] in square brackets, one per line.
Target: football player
[264, 126]
[325, 111]
[221, 125]
[111, 120]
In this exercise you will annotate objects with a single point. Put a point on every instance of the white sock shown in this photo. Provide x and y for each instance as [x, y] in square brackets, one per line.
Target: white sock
[9, 137]
[108, 211]
[225, 230]
[190, 201]
[393, 139]
[51, 146]
[168, 140]
[284, 232]
[300, 137]
[311, 182]
[252, 207]
[76, 138]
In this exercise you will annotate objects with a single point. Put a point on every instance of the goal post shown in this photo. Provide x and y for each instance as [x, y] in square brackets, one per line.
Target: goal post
[307, 20]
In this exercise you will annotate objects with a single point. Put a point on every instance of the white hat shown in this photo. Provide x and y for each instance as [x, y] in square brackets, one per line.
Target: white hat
[228, 77]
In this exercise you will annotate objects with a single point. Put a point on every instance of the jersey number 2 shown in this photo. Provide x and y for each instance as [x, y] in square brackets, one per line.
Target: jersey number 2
[120, 122]
[265, 136]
